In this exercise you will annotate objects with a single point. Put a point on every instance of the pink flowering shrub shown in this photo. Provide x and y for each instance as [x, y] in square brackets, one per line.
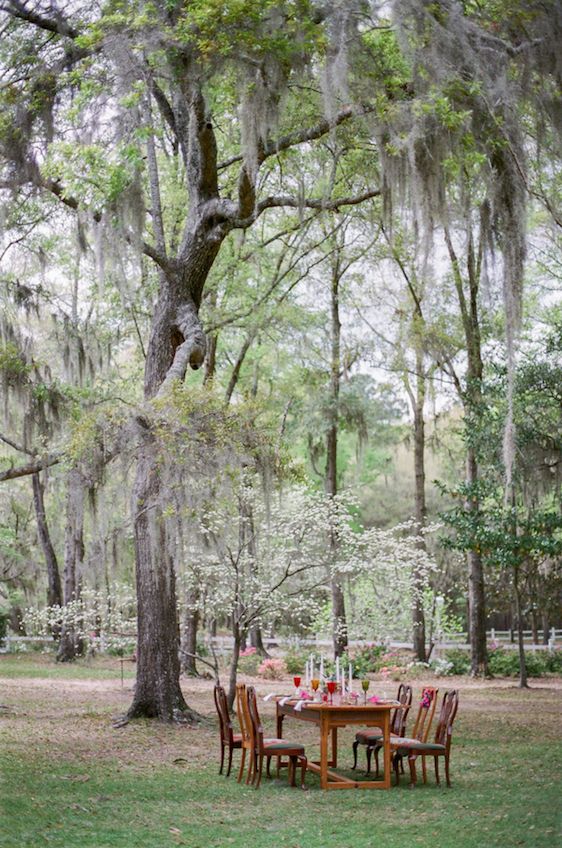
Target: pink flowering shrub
[272, 669]
[248, 652]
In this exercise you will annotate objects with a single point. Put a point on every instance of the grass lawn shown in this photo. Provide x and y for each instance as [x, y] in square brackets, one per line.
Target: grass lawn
[70, 779]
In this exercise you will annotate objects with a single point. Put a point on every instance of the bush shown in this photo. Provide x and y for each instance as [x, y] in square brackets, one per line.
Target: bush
[505, 663]
[459, 660]
[553, 661]
[248, 661]
[295, 661]
[272, 669]
[4, 617]
[367, 659]
[441, 667]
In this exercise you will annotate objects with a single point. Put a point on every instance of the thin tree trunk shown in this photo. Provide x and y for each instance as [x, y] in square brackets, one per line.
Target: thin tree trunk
[339, 622]
[523, 684]
[418, 618]
[476, 594]
[472, 399]
[71, 645]
[234, 667]
[545, 628]
[54, 587]
[189, 636]
[256, 641]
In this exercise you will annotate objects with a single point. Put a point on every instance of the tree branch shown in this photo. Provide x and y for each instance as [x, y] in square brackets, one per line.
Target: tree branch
[15, 446]
[57, 24]
[31, 468]
[301, 136]
[286, 201]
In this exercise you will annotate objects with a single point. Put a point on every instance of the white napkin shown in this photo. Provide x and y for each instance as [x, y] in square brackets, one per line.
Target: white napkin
[270, 696]
[283, 701]
[299, 705]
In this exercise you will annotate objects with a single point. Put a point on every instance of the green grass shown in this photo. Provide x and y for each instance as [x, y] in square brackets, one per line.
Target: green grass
[34, 665]
[114, 807]
[71, 781]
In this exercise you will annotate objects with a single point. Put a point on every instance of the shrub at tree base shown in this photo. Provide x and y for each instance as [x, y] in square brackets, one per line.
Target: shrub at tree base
[248, 661]
[3, 626]
[505, 663]
[272, 669]
[367, 659]
[295, 661]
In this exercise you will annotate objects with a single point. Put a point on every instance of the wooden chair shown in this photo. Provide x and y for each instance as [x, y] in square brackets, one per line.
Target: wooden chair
[441, 747]
[371, 737]
[229, 739]
[247, 732]
[420, 732]
[272, 747]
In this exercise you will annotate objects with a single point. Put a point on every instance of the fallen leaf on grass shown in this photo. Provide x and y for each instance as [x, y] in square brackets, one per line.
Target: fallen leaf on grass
[76, 778]
[179, 760]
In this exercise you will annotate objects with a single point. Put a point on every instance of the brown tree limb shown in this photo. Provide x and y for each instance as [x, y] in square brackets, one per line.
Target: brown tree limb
[57, 25]
[301, 136]
[31, 468]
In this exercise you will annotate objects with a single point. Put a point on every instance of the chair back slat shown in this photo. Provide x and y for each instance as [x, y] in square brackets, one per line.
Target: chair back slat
[254, 717]
[222, 709]
[449, 706]
[425, 714]
[404, 696]
[244, 715]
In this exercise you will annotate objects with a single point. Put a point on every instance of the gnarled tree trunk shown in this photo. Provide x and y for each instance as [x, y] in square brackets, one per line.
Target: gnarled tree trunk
[177, 342]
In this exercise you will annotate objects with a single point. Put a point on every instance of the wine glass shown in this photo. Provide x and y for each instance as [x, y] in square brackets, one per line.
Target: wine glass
[331, 686]
[315, 683]
[365, 687]
[297, 682]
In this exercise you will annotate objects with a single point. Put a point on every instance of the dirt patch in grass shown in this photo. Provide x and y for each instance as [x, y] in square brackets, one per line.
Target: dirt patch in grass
[74, 718]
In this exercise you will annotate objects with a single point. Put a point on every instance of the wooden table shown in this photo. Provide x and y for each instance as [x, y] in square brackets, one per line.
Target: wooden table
[329, 719]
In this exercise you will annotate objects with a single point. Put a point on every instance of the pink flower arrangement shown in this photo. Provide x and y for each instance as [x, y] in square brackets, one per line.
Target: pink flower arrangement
[374, 699]
[427, 698]
[272, 669]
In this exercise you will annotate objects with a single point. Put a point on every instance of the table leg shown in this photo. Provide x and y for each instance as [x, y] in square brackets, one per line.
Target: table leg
[324, 733]
[280, 718]
[334, 760]
[387, 758]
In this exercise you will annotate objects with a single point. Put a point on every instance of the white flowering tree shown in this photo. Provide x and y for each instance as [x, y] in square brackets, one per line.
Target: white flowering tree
[258, 560]
[101, 619]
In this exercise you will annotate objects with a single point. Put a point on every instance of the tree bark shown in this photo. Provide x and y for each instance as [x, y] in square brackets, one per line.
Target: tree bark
[54, 588]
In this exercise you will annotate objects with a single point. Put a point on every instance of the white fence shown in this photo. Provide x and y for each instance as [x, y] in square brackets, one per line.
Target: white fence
[222, 644]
